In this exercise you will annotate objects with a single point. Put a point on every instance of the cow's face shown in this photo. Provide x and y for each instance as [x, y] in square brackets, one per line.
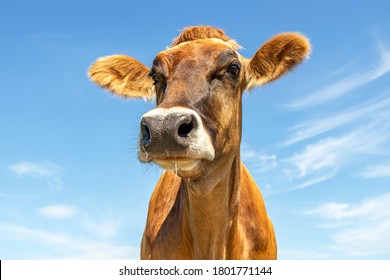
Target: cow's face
[198, 116]
[198, 86]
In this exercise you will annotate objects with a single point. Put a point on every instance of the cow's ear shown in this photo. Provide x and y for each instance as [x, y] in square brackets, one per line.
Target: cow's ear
[123, 76]
[275, 58]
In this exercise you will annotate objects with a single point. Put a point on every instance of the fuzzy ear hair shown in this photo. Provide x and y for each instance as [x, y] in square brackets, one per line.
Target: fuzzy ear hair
[276, 57]
[123, 76]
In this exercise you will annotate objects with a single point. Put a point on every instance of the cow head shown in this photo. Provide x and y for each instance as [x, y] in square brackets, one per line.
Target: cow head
[198, 84]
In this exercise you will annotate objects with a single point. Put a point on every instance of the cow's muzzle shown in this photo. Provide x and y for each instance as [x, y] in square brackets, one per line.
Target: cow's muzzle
[174, 138]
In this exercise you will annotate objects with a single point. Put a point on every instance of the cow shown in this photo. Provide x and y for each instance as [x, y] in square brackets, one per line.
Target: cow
[205, 205]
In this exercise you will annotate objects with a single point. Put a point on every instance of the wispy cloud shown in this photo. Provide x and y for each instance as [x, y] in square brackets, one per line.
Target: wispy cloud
[98, 251]
[334, 140]
[58, 211]
[50, 171]
[345, 85]
[361, 229]
[377, 108]
[292, 170]
[28, 168]
[323, 155]
[330, 153]
[310, 182]
[299, 254]
[104, 228]
[63, 246]
[19, 232]
[247, 153]
[322, 159]
[260, 162]
[376, 171]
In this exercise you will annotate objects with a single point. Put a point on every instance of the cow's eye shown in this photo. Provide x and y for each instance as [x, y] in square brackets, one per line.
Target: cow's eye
[154, 76]
[234, 69]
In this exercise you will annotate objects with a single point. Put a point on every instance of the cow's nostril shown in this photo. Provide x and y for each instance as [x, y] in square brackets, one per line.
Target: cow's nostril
[145, 132]
[185, 129]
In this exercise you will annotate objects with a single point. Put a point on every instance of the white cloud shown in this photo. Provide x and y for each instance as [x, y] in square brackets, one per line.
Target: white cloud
[63, 246]
[25, 233]
[247, 153]
[104, 228]
[50, 171]
[321, 160]
[330, 153]
[364, 240]
[331, 210]
[99, 251]
[376, 171]
[363, 132]
[259, 162]
[368, 111]
[345, 85]
[361, 229]
[27, 168]
[299, 254]
[326, 154]
[58, 211]
[308, 183]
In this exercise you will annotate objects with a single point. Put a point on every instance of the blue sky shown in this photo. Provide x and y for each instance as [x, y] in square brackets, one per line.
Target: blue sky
[316, 141]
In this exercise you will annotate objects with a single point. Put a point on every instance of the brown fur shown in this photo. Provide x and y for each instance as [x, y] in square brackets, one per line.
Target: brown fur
[200, 32]
[122, 75]
[215, 209]
[276, 57]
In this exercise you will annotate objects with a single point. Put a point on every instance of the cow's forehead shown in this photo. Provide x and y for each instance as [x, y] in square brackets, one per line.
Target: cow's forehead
[200, 46]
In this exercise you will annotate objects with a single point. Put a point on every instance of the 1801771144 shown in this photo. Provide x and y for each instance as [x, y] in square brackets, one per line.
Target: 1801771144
[242, 270]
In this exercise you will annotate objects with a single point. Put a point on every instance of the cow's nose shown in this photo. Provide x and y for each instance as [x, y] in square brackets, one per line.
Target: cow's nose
[162, 129]
[176, 132]
[186, 125]
[145, 132]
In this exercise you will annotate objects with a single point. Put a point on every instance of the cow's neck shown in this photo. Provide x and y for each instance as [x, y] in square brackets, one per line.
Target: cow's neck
[210, 208]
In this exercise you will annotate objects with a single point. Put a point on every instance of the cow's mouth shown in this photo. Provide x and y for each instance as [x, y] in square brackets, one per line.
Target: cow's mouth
[177, 164]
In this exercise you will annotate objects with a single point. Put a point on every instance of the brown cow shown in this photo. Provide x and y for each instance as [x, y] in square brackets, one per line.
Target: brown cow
[206, 204]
